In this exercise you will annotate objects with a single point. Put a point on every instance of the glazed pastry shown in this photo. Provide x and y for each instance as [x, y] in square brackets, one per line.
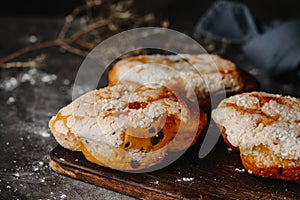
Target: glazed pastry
[265, 129]
[197, 76]
[127, 126]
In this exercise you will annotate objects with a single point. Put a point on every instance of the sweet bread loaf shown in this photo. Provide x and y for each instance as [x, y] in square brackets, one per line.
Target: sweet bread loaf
[127, 126]
[265, 128]
[197, 76]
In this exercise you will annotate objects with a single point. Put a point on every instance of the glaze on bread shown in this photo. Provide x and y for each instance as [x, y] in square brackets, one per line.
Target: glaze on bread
[197, 75]
[127, 126]
[265, 128]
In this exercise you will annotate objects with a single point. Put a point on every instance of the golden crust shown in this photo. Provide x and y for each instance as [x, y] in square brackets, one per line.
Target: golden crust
[127, 127]
[187, 136]
[265, 129]
[122, 159]
[112, 76]
[197, 76]
[280, 168]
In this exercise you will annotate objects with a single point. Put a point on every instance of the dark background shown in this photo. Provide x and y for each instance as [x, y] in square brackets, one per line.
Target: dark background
[265, 10]
[25, 140]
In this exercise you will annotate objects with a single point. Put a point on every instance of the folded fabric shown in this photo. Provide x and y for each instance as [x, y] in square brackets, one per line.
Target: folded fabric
[278, 49]
[227, 20]
[275, 50]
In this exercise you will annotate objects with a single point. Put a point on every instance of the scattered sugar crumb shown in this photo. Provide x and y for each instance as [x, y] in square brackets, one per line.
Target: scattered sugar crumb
[16, 174]
[9, 84]
[10, 100]
[249, 171]
[66, 82]
[32, 76]
[37, 128]
[229, 149]
[35, 168]
[32, 39]
[239, 170]
[61, 159]
[185, 179]
[27, 78]
[36, 165]
[45, 133]
[48, 78]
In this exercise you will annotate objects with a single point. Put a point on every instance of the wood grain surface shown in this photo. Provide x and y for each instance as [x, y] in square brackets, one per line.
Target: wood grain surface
[219, 175]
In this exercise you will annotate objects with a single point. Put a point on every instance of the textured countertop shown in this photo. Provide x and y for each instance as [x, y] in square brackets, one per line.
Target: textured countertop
[29, 97]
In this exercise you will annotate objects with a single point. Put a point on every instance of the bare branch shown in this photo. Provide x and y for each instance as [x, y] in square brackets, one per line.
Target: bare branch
[37, 46]
[83, 39]
[36, 62]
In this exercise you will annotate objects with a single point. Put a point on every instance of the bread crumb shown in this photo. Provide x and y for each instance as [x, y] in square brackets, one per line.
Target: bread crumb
[10, 100]
[184, 179]
[239, 170]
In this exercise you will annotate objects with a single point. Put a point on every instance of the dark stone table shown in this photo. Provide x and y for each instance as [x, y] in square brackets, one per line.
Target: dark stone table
[29, 97]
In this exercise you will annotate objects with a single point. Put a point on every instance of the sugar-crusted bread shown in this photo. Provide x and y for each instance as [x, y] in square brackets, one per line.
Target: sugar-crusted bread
[127, 126]
[265, 128]
[197, 75]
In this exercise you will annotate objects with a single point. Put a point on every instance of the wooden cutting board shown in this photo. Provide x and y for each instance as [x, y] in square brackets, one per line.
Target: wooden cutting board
[219, 175]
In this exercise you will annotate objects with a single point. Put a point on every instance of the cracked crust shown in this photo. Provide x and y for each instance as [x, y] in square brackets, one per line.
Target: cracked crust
[127, 127]
[265, 128]
[198, 76]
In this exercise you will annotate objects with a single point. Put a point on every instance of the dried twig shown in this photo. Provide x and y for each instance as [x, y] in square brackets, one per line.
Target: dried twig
[70, 18]
[88, 35]
[27, 49]
[36, 62]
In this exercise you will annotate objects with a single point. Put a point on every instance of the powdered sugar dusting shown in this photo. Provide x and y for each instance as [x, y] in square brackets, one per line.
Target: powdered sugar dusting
[201, 73]
[34, 128]
[239, 170]
[32, 76]
[10, 100]
[9, 84]
[185, 179]
[101, 116]
[258, 118]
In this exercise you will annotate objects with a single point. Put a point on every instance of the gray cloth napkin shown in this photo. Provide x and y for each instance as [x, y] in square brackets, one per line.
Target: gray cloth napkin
[276, 50]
